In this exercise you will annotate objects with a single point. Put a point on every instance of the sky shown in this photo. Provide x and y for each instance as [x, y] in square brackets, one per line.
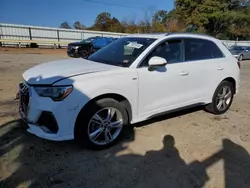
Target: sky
[51, 13]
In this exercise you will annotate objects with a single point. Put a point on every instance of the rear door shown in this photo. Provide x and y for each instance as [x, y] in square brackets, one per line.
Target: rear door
[205, 63]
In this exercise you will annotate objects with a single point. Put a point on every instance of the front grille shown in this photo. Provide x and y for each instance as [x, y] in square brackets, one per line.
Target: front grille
[71, 49]
[24, 97]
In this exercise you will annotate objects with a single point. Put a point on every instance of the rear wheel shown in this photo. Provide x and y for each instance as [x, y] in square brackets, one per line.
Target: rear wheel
[101, 123]
[222, 99]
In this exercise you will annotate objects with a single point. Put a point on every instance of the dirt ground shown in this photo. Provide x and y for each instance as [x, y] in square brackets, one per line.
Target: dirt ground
[191, 148]
[47, 51]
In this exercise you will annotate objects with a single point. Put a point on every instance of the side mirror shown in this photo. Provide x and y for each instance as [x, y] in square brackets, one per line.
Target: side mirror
[156, 62]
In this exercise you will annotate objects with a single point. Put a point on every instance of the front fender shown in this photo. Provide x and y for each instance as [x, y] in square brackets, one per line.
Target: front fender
[131, 99]
[89, 86]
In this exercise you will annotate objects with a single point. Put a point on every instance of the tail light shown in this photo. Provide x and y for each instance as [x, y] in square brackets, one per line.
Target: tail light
[238, 62]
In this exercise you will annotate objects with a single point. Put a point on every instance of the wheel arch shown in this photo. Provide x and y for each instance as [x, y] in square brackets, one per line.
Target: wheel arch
[231, 80]
[212, 106]
[120, 98]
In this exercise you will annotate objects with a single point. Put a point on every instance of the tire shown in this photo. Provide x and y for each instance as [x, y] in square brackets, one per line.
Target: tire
[218, 97]
[83, 54]
[240, 58]
[88, 124]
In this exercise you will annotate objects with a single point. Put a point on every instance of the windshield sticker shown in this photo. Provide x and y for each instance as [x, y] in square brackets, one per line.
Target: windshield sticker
[134, 45]
[125, 61]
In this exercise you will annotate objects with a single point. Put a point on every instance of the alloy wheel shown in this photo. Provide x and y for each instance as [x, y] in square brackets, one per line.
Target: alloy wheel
[105, 126]
[224, 98]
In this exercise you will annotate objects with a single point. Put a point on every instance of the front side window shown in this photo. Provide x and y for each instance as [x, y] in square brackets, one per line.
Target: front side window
[200, 49]
[171, 50]
[122, 52]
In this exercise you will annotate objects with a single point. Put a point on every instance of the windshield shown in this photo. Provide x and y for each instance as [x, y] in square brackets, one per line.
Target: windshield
[88, 40]
[238, 48]
[122, 52]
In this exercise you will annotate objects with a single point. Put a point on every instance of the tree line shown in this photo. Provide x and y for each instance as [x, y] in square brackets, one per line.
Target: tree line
[224, 19]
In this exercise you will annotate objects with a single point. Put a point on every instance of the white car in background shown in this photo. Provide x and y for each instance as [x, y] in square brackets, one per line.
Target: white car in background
[130, 80]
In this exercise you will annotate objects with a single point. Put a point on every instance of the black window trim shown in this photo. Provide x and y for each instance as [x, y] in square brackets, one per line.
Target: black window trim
[183, 60]
[183, 38]
[159, 43]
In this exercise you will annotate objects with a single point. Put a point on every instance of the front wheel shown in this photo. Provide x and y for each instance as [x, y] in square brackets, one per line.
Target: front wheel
[222, 99]
[240, 57]
[83, 54]
[101, 123]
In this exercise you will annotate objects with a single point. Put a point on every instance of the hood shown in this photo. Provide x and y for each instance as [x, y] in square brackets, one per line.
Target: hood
[48, 73]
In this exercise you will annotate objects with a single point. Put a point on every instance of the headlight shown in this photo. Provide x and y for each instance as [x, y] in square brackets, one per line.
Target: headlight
[75, 47]
[56, 93]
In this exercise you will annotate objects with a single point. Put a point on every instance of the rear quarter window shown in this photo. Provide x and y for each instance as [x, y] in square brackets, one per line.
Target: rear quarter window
[200, 49]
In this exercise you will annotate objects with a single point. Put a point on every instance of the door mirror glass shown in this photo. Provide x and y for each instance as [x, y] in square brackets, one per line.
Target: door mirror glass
[157, 61]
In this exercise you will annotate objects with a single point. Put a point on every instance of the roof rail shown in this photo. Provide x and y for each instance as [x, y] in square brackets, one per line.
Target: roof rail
[173, 33]
[159, 33]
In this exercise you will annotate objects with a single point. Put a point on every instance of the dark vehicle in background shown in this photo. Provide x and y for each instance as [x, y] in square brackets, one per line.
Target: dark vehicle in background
[240, 52]
[87, 46]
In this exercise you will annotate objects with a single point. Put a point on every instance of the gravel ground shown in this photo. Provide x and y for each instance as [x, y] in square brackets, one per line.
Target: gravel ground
[191, 148]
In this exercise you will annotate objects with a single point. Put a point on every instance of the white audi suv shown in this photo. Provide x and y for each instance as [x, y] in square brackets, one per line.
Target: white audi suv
[130, 80]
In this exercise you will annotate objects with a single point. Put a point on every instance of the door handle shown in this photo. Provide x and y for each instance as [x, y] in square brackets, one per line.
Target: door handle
[220, 68]
[183, 73]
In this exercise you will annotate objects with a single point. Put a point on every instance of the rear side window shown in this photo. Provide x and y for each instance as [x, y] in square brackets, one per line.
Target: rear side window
[200, 49]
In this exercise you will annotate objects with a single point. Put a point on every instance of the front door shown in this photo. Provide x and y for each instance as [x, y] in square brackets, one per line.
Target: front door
[165, 87]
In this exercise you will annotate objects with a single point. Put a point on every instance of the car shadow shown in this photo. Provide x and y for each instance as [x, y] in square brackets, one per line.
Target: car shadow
[63, 164]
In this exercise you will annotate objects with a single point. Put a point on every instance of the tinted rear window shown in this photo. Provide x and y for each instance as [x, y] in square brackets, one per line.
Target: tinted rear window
[199, 49]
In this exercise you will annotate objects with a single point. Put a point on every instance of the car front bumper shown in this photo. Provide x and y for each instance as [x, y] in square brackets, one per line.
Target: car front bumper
[72, 52]
[49, 119]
